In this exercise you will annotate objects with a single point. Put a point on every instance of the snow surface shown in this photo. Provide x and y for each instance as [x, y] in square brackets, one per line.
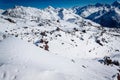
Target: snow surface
[20, 60]
[107, 15]
[75, 46]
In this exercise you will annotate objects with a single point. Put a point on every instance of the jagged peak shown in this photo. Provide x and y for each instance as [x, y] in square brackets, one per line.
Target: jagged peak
[17, 6]
[102, 4]
[22, 12]
[76, 7]
[99, 4]
[49, 8]
[116, 3]
[24, 8]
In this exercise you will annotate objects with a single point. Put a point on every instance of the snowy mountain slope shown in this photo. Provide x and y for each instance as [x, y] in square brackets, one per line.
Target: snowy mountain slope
[91, 9]
[98, 12]
[55, 44]
[20, 60]
[111, 18]
[38, 14]
[1, 11]
[68, 34]
[116, 4]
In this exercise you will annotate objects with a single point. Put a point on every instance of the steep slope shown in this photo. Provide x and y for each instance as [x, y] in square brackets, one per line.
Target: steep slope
[110, 19]
[101, 13]
[91, 9]
[116, 4]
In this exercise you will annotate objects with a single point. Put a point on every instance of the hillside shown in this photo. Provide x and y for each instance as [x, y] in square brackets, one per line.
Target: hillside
[56, 44]
[107, 15]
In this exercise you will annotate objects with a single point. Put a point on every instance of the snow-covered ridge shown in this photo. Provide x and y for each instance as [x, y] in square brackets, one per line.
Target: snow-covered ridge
[116, 4]
[98, 12]
[59, 27]
[55, 44]
[37, 14]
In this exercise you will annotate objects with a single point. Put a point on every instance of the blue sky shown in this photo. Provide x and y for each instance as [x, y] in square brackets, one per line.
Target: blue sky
[4, 4]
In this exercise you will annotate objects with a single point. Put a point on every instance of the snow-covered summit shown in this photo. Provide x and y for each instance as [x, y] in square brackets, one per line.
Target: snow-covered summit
[22, 12]
[98, 10]
[110, 19]
[116, 4]
[37, 14]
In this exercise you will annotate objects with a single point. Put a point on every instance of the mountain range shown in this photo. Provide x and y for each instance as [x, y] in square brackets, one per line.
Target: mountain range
[78, 43]
[106, 15]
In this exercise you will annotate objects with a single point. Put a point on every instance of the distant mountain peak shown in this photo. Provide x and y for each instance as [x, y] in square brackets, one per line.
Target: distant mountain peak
[17, 6]
[110, 13]
[116, 3]
[98, 4]
[50, 8]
